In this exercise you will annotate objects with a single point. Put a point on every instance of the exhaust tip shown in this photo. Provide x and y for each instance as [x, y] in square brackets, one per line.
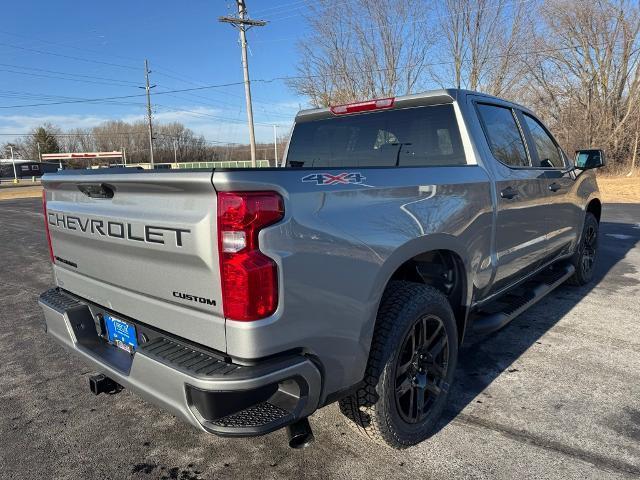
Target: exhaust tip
[300, 434]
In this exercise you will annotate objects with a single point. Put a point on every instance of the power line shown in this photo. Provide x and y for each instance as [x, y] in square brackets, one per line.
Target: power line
[69, 74]
[119, 97]
[14, 93]
[297, 15]
[279, 7]
[158, 70]
[176, 110]
[226, 94]
[209, 115]
[216, 104]
[282, 78]
[180, 79]
[40, 75]
[192, 81]
[102, 102]
[27, 95]
[43, 52]
[64, 45]
[84, 134]
[30, 95]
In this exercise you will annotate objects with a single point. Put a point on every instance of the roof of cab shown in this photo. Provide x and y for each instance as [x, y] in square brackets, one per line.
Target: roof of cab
[430, 97]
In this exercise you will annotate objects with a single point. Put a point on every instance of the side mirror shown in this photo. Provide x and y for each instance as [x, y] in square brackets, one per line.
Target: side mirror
[587, 159]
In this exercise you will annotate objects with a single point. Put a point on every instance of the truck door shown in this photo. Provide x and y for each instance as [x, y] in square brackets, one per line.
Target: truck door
[521, 228]
[563, 213]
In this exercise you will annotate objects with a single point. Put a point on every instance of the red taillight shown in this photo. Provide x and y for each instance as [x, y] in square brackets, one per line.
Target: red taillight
[46, 226]
[249, 278]
[379, 104]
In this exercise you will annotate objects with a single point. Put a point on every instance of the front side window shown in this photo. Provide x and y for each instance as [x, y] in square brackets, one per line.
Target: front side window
[503, 135]
[548, 152]
[421, 136]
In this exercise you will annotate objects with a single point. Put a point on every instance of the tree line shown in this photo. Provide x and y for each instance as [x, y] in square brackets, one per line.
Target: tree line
[574, 62]
[172, 142]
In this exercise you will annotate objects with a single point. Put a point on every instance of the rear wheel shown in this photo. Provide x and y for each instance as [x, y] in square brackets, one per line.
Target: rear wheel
[411, 365]
[585, 257]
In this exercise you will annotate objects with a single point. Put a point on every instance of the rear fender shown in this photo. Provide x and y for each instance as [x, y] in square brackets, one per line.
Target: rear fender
[406, 252]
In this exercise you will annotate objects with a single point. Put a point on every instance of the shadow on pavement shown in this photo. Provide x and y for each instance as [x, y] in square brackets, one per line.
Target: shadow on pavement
[483, 358]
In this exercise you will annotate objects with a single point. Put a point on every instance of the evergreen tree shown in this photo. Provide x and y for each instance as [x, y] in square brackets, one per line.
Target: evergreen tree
[48, 142]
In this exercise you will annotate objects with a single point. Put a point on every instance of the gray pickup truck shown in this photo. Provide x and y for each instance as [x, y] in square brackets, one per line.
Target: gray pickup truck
[242, 300]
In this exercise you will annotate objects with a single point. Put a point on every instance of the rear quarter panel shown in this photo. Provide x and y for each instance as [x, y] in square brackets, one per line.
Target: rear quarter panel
[339, 244]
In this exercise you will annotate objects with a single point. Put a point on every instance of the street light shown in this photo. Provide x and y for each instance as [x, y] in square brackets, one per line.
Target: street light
[13, 160]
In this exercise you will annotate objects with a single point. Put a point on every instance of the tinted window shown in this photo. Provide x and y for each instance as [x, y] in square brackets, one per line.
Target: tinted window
[424, 136]
[503, 135]
[548, 152]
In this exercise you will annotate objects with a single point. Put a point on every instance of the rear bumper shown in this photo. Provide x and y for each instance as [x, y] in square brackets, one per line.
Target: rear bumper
[199, 386]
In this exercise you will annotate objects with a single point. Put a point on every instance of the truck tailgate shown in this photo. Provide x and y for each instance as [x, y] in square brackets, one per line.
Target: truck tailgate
[142, 244]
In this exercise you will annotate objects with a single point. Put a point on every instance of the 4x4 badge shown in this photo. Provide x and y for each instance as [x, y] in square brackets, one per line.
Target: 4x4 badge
[330, 179]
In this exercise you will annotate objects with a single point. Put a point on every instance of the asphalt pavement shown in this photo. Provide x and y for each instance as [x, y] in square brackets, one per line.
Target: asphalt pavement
[556, 394]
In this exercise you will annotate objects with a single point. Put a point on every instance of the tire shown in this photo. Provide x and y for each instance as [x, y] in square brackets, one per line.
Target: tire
[586, 253]
[395, 364]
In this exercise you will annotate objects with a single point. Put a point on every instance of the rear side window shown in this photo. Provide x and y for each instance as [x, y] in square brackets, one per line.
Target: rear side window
[423, 136]
[548, 152]
[503, 135]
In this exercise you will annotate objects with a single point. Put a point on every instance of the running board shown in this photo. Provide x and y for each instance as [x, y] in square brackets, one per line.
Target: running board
[498, 313]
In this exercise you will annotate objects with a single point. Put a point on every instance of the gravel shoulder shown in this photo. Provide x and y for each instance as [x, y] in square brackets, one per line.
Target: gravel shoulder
[620, 189]
[20, 191]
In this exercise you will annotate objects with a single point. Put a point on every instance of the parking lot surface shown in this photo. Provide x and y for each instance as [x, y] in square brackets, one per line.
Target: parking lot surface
[556, 394]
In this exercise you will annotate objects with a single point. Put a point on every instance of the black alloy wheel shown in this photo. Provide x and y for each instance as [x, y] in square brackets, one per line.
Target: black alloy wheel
[411, 366]
[421, 368]
[585, 256]
[589, 249]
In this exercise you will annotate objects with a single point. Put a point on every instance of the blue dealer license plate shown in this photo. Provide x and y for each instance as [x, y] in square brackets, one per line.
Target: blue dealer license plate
[121, 333]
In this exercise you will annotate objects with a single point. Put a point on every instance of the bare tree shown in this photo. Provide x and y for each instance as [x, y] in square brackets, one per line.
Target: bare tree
[363, 49]
[77, 140]
[481, 45]
[585, 77]
[175, 140]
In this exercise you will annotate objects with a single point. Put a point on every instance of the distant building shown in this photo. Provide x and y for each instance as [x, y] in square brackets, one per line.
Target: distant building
[25, 168]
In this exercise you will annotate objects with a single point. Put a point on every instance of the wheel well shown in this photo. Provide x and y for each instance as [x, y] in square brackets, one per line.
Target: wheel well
[443, 270]
[595, 207]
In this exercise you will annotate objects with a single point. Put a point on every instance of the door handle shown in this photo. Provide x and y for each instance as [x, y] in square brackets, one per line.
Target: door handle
[509, 193]
[554, 187]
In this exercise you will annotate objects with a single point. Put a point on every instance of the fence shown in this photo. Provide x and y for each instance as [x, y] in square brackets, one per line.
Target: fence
[182, 165]
[230, 164]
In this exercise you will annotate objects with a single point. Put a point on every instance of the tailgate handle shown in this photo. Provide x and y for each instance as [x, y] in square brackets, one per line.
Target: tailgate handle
[509, 193]
[93, 190]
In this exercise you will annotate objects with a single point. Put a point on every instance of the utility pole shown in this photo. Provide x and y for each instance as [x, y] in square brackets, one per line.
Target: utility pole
[175, 151]
[148, 88]
[39, 153]
[242, 23]
[275, 146]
